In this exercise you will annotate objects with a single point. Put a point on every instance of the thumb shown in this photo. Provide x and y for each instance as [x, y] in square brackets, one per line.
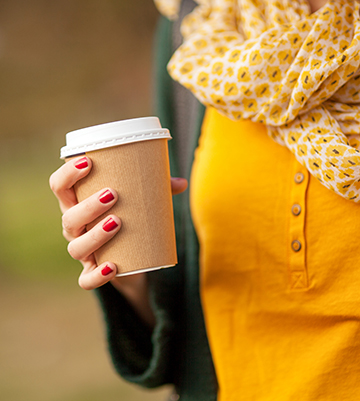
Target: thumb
[178, 185]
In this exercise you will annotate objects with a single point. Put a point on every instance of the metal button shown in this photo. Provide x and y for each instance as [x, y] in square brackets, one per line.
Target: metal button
[299, 178]
[296, 245]
[296, 209]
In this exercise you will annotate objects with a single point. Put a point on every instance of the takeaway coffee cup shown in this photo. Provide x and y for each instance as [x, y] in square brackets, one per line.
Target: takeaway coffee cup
[130, 156]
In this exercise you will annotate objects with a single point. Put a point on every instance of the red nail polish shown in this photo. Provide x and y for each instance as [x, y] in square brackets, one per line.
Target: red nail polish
[106, 270]
[82, 163]
[106, 197]
[109, 225]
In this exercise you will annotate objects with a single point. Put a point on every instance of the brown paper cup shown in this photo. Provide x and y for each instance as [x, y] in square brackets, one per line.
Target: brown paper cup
[140, 174]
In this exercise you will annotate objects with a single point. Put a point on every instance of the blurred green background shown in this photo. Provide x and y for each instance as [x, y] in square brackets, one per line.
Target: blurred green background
[63, 65]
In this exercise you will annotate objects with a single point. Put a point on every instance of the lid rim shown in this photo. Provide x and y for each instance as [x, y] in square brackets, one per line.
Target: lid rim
[68, 151]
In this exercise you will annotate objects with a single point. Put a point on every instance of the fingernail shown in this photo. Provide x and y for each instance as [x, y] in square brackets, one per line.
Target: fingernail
[109, 225]
[81, 163]
[106, 197]
[106, 270]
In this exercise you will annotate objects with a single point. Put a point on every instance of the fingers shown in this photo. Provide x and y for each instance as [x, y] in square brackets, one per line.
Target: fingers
[94, 277]
[81, 247]
[63, 180]
[77, 217]
[178, 185]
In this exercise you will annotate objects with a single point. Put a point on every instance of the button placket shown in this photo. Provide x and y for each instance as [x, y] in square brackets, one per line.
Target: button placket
[298, 277]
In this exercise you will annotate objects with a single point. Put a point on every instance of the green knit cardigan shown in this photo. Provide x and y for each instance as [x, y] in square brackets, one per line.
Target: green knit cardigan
[176, 351]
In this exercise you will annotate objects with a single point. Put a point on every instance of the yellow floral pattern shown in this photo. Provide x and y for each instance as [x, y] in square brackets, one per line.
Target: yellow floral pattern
[273, 62]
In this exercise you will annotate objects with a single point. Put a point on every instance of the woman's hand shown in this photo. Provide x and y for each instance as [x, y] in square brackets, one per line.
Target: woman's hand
[82, 243]
[76, 216]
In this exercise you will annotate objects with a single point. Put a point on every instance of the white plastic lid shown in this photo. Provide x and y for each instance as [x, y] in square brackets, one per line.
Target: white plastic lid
[113, 134]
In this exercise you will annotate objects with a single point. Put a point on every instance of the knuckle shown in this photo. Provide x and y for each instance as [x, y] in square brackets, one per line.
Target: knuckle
[67, 236]
[73, 252]
[66, 223]
[53, 182]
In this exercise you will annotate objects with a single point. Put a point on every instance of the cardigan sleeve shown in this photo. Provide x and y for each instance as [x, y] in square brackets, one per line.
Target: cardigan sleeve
[141, 355]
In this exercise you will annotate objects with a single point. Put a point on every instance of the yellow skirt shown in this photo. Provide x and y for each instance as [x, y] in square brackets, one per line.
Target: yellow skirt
[280, 270]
